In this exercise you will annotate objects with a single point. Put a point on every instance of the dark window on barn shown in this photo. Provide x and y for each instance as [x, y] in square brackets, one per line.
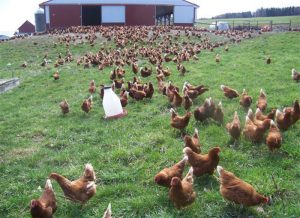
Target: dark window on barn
[91, 15]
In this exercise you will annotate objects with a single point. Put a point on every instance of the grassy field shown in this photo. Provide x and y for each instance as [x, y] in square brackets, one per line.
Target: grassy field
[295, 21]
[36, 139]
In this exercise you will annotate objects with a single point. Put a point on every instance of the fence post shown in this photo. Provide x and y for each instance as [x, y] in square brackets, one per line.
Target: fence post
[233, 25]
[271, 25]
[216, 25]
[256, 25]
[249, 25]
[290, 26]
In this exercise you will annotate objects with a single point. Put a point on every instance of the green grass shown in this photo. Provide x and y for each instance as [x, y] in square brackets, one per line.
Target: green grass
[36, 139]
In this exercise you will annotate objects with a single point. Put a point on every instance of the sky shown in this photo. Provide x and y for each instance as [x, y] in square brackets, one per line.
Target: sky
[13, 13]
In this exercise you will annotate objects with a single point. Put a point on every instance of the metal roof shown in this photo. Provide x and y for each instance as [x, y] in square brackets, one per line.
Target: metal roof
[120, 2]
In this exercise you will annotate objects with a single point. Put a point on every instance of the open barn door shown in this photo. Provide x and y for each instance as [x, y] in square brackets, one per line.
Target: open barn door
[164, 15]
[91, 15]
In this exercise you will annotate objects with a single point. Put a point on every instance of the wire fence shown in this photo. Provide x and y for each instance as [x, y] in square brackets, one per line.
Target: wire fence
[263, 25]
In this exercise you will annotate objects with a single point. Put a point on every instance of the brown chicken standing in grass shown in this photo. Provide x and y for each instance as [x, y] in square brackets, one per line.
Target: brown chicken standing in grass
[64, 106]
[283, 120]
[238, 191]
[56, 75]
[260, 116]
[149, 90]
[218, 58]
[295, 112]
[274, 138]
[218, 114]
[138, 95]
[92, 88]
[177, 99]
[187, 102]
[262, 101]
[255, 133]
[87, 104]
[234, 128]
[295, 75]
[181, 192]
[24, 64]
[203, 163]
[164, 177]
[229, 92]
[245, 100]
[193, 91]
[80, 190]
[124, 99]
[179, 122]
[193, 142]
[135, 68]
[45, 206]
[202, 113]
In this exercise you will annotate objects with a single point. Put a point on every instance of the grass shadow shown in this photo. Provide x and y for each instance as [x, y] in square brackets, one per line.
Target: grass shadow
[232, 210]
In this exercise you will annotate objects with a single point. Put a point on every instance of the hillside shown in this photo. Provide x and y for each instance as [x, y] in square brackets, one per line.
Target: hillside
[36, 139]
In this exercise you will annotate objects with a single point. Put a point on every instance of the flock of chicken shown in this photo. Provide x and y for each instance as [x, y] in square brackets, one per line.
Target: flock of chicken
[232, 188]
[141, 42]
[79, 191]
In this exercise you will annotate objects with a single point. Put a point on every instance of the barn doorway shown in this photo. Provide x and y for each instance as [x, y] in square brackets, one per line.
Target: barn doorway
[91, 15]
[164, 15]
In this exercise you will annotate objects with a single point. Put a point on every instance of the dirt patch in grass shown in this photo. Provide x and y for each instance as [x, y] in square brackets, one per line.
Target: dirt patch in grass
[38, 136]
[18, 153]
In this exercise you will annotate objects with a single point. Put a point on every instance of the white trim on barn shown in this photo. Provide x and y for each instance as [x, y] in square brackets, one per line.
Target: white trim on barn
[183, 14]
[47, 14]
[113, 14]
[120, 2]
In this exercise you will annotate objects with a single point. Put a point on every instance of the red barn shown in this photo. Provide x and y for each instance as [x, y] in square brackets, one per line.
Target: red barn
[26, 27]
[65, 13]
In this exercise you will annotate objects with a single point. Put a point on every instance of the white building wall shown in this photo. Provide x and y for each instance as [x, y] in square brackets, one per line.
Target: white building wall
[184, 14]
[113, 14]
[47, 14]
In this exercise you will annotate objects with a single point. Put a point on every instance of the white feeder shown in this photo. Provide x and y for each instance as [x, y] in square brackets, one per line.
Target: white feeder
[112, 104]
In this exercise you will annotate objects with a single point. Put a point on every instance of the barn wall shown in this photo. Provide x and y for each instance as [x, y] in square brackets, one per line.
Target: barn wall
[27, 28]
[184, 15]
[140, 15]
[113, 14]
[65, 16]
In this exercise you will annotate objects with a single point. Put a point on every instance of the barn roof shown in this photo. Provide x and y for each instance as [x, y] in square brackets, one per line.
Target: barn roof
[27, 26]
[120, 2]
